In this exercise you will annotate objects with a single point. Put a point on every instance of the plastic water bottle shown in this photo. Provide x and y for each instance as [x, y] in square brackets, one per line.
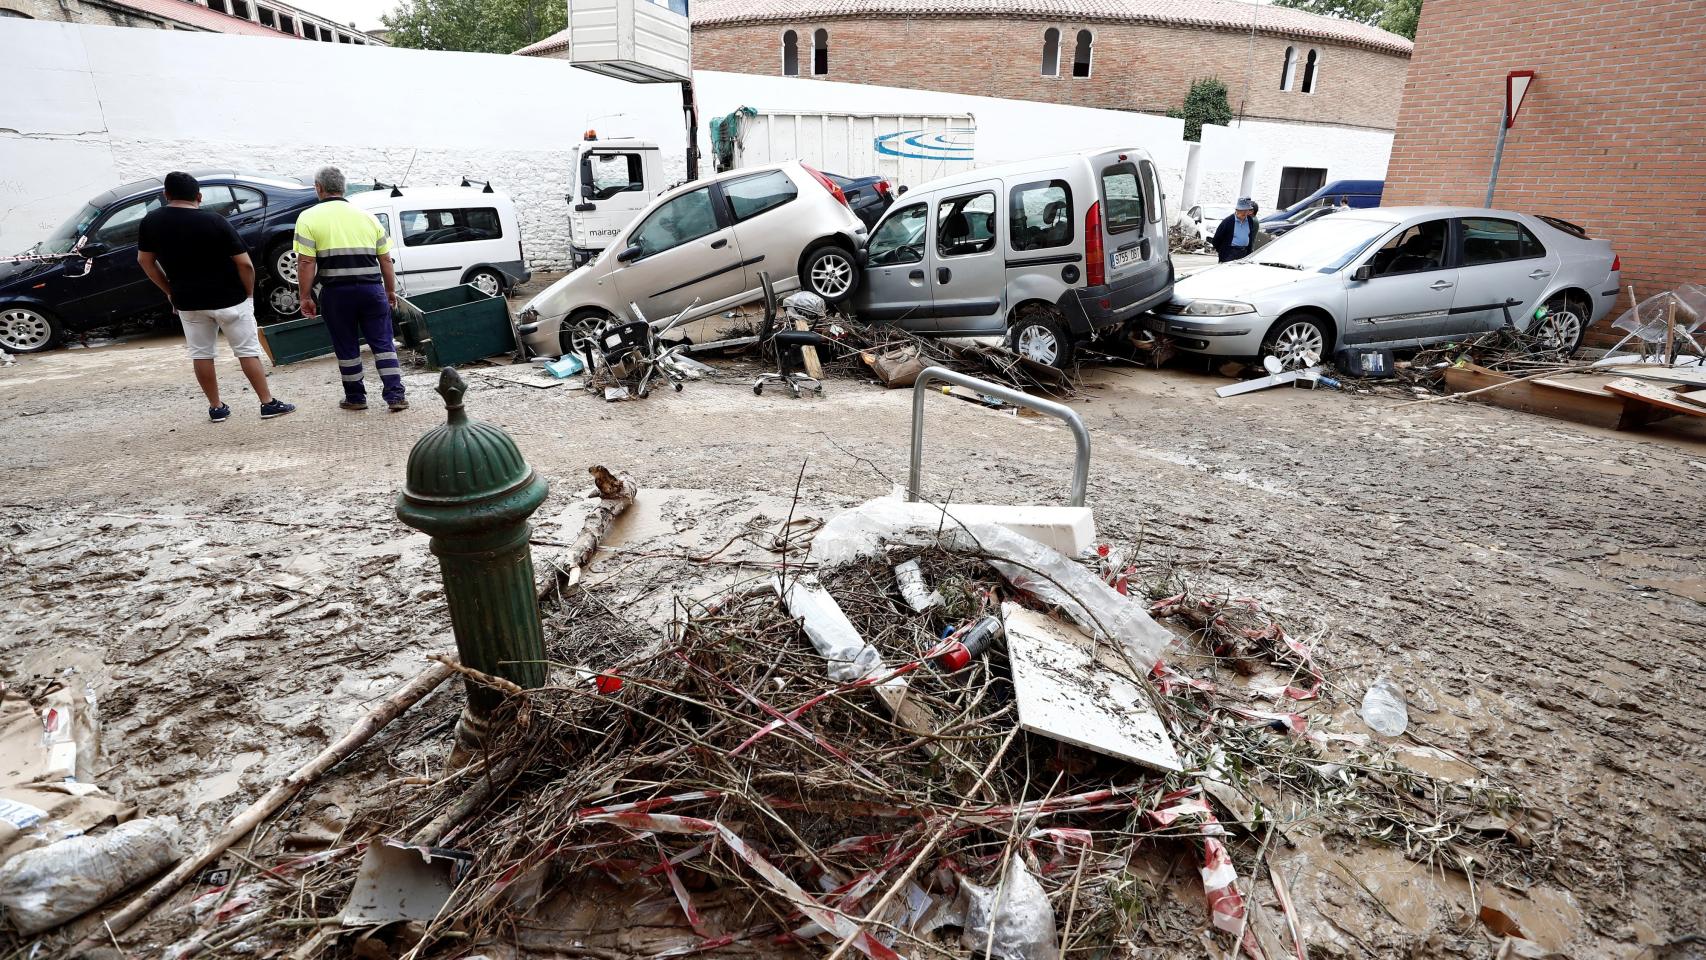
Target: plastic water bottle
[1383, 708]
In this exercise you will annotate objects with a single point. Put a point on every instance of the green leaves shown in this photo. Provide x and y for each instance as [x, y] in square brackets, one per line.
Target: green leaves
[1205, 103]
[1398, 16]
[474, 26]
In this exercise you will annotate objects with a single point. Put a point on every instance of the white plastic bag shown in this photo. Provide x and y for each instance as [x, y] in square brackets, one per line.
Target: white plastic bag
[1019, 912]
[1028, 565]
[45, 887]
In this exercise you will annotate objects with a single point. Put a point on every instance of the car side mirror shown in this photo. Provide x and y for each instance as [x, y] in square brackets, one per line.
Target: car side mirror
[1364, 272]
[630, 253]
[94, 249]
[900, 190]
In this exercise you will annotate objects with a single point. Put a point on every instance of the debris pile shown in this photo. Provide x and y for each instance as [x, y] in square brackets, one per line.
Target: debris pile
[830, 757]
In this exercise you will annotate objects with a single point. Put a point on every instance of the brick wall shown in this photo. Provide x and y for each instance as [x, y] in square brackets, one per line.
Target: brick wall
[1611, 135]
[1134, 66]
[77, 11]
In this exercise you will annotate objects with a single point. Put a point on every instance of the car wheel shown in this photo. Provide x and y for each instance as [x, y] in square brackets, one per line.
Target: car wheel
[1298, 341]
[282, 300]
[830, 273]
[28, 329]
[281, 261]
[1561, 331]
[1037, 335]
[488, 282]
[576, 322]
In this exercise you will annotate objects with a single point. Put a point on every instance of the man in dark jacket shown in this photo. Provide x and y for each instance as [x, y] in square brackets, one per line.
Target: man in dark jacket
[1237, 235]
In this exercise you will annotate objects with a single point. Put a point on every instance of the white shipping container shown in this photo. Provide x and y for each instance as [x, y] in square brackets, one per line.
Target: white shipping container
[908, 149]
[642, 41]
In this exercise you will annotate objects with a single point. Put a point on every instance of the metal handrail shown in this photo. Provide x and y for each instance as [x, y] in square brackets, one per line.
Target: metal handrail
[1060, 411]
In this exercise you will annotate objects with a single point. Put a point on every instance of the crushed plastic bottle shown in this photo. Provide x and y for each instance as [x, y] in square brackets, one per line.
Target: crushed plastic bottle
[1383, 708]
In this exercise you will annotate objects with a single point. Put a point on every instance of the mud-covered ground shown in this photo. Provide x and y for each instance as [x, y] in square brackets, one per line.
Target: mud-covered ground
[236, 593]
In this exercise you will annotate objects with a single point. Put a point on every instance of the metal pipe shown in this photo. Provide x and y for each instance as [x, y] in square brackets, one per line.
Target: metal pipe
[1060, 411]
[1498, 156]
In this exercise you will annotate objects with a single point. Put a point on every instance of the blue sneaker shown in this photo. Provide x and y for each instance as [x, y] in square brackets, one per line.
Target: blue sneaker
[219, 414]
[275, 408]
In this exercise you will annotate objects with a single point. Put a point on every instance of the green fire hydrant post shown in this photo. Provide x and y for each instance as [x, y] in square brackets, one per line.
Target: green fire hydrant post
[470, 489]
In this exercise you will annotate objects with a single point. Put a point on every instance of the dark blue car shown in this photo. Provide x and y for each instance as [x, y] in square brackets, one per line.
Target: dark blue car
[88, 276]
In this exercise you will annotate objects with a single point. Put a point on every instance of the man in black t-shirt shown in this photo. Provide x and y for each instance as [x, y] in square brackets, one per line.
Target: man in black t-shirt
[197, 259]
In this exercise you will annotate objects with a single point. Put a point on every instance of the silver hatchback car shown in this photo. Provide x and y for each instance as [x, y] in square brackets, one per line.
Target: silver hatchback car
[700, 247]
[1396, 277]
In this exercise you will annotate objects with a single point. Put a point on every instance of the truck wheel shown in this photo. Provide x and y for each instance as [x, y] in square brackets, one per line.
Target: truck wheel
[1038, 335]
[281, 262]
[829, 272]
[28, 329]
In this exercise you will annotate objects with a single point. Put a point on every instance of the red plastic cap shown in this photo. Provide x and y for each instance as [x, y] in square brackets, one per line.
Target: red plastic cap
[607, 683]
[955, 657]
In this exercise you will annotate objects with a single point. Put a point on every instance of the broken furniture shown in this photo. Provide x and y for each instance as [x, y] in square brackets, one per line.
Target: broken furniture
[1562, 396]
[788, 343]
[456, 325]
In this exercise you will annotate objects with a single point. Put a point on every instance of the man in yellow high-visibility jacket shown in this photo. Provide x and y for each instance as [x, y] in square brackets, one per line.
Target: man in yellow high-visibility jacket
[347, 250]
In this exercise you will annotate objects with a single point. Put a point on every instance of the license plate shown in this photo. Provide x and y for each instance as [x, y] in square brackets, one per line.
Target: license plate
[1125, 258]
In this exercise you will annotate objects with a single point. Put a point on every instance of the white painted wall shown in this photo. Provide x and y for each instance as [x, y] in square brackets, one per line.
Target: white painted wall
[92, 107]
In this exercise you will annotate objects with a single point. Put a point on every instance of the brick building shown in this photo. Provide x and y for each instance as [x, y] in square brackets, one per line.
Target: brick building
[1278, 64]
[1610, 136]
[260, 18]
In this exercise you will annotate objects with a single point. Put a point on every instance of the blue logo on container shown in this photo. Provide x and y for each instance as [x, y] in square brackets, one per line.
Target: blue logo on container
[928, 145]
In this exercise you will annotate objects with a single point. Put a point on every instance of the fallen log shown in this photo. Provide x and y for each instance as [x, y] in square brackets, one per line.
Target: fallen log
[615, 496]
[387, 710]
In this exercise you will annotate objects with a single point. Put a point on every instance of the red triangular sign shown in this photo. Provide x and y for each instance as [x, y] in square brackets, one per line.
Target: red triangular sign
[1517, 83]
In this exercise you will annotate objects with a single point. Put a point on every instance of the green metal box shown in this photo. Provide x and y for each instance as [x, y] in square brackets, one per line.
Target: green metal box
[456, 325]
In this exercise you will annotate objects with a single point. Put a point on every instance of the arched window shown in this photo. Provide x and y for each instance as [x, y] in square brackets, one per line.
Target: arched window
[1081, 54]
[1051, 52]
[790, 54]
[1309, 73]
[820, 52]
[1289, 69]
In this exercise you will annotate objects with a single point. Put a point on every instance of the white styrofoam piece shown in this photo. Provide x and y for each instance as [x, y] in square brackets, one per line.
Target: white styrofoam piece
[1066, 694]
[1069, 530]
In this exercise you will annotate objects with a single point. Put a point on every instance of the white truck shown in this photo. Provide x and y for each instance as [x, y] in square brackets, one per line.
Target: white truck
[615, 178]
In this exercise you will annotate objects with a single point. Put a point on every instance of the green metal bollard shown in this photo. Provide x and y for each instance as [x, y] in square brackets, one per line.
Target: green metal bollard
[469, 488]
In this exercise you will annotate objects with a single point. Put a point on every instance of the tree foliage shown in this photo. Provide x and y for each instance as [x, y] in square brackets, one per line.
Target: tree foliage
[1205, 102]
[474, 26]
[1398, 16]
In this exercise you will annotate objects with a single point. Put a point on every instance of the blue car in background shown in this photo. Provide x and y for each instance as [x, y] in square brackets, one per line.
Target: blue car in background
[1357, 194]
[87, 275]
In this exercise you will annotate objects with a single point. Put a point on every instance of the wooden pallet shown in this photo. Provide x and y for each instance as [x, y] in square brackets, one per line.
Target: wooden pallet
[1563, 399]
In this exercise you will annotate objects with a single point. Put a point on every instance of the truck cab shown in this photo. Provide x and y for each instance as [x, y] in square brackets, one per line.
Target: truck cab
[613, 180]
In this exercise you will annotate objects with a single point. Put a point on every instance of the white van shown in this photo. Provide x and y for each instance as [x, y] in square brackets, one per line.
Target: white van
[445, 236]
[1048, 252]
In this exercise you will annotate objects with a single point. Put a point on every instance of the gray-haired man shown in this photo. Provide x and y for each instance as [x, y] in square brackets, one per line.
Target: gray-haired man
[350, 253]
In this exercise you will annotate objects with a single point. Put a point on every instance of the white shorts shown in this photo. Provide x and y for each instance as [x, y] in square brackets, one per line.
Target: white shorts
[201, 331]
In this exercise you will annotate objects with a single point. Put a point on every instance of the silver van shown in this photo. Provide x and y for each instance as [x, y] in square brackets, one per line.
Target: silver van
[1049, 252]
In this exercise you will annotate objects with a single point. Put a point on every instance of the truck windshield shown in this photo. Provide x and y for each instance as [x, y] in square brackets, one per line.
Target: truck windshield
[1324, 245]
[64, 237]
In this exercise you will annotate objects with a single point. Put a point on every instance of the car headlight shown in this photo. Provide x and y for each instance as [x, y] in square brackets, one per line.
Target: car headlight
[1215, 308]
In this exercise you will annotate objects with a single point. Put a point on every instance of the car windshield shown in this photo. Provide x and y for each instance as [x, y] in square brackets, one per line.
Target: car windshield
[1326, 244]
[64, 237]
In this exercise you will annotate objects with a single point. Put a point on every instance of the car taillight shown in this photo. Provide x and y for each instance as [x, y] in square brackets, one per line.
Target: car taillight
[1616, 262]
[1096, 263]
[829, 185]
[883, 187]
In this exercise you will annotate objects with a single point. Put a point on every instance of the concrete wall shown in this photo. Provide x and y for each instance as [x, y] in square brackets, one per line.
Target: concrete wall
[108, 105]
[1610, 135]
[1134, 66]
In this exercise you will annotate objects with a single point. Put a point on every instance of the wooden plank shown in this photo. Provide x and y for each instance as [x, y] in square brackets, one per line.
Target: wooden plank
[1609, 411]
[1065, 692]
[814, 368]
[1689, 376]
[1595, 389]
[1694, 396]
[1649, 393]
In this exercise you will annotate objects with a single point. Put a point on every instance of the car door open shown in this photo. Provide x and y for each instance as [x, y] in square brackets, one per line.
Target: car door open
[1403, 291]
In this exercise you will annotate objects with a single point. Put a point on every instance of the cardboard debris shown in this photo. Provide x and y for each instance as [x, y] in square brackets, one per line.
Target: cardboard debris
[1067, 692]
[400, 882]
